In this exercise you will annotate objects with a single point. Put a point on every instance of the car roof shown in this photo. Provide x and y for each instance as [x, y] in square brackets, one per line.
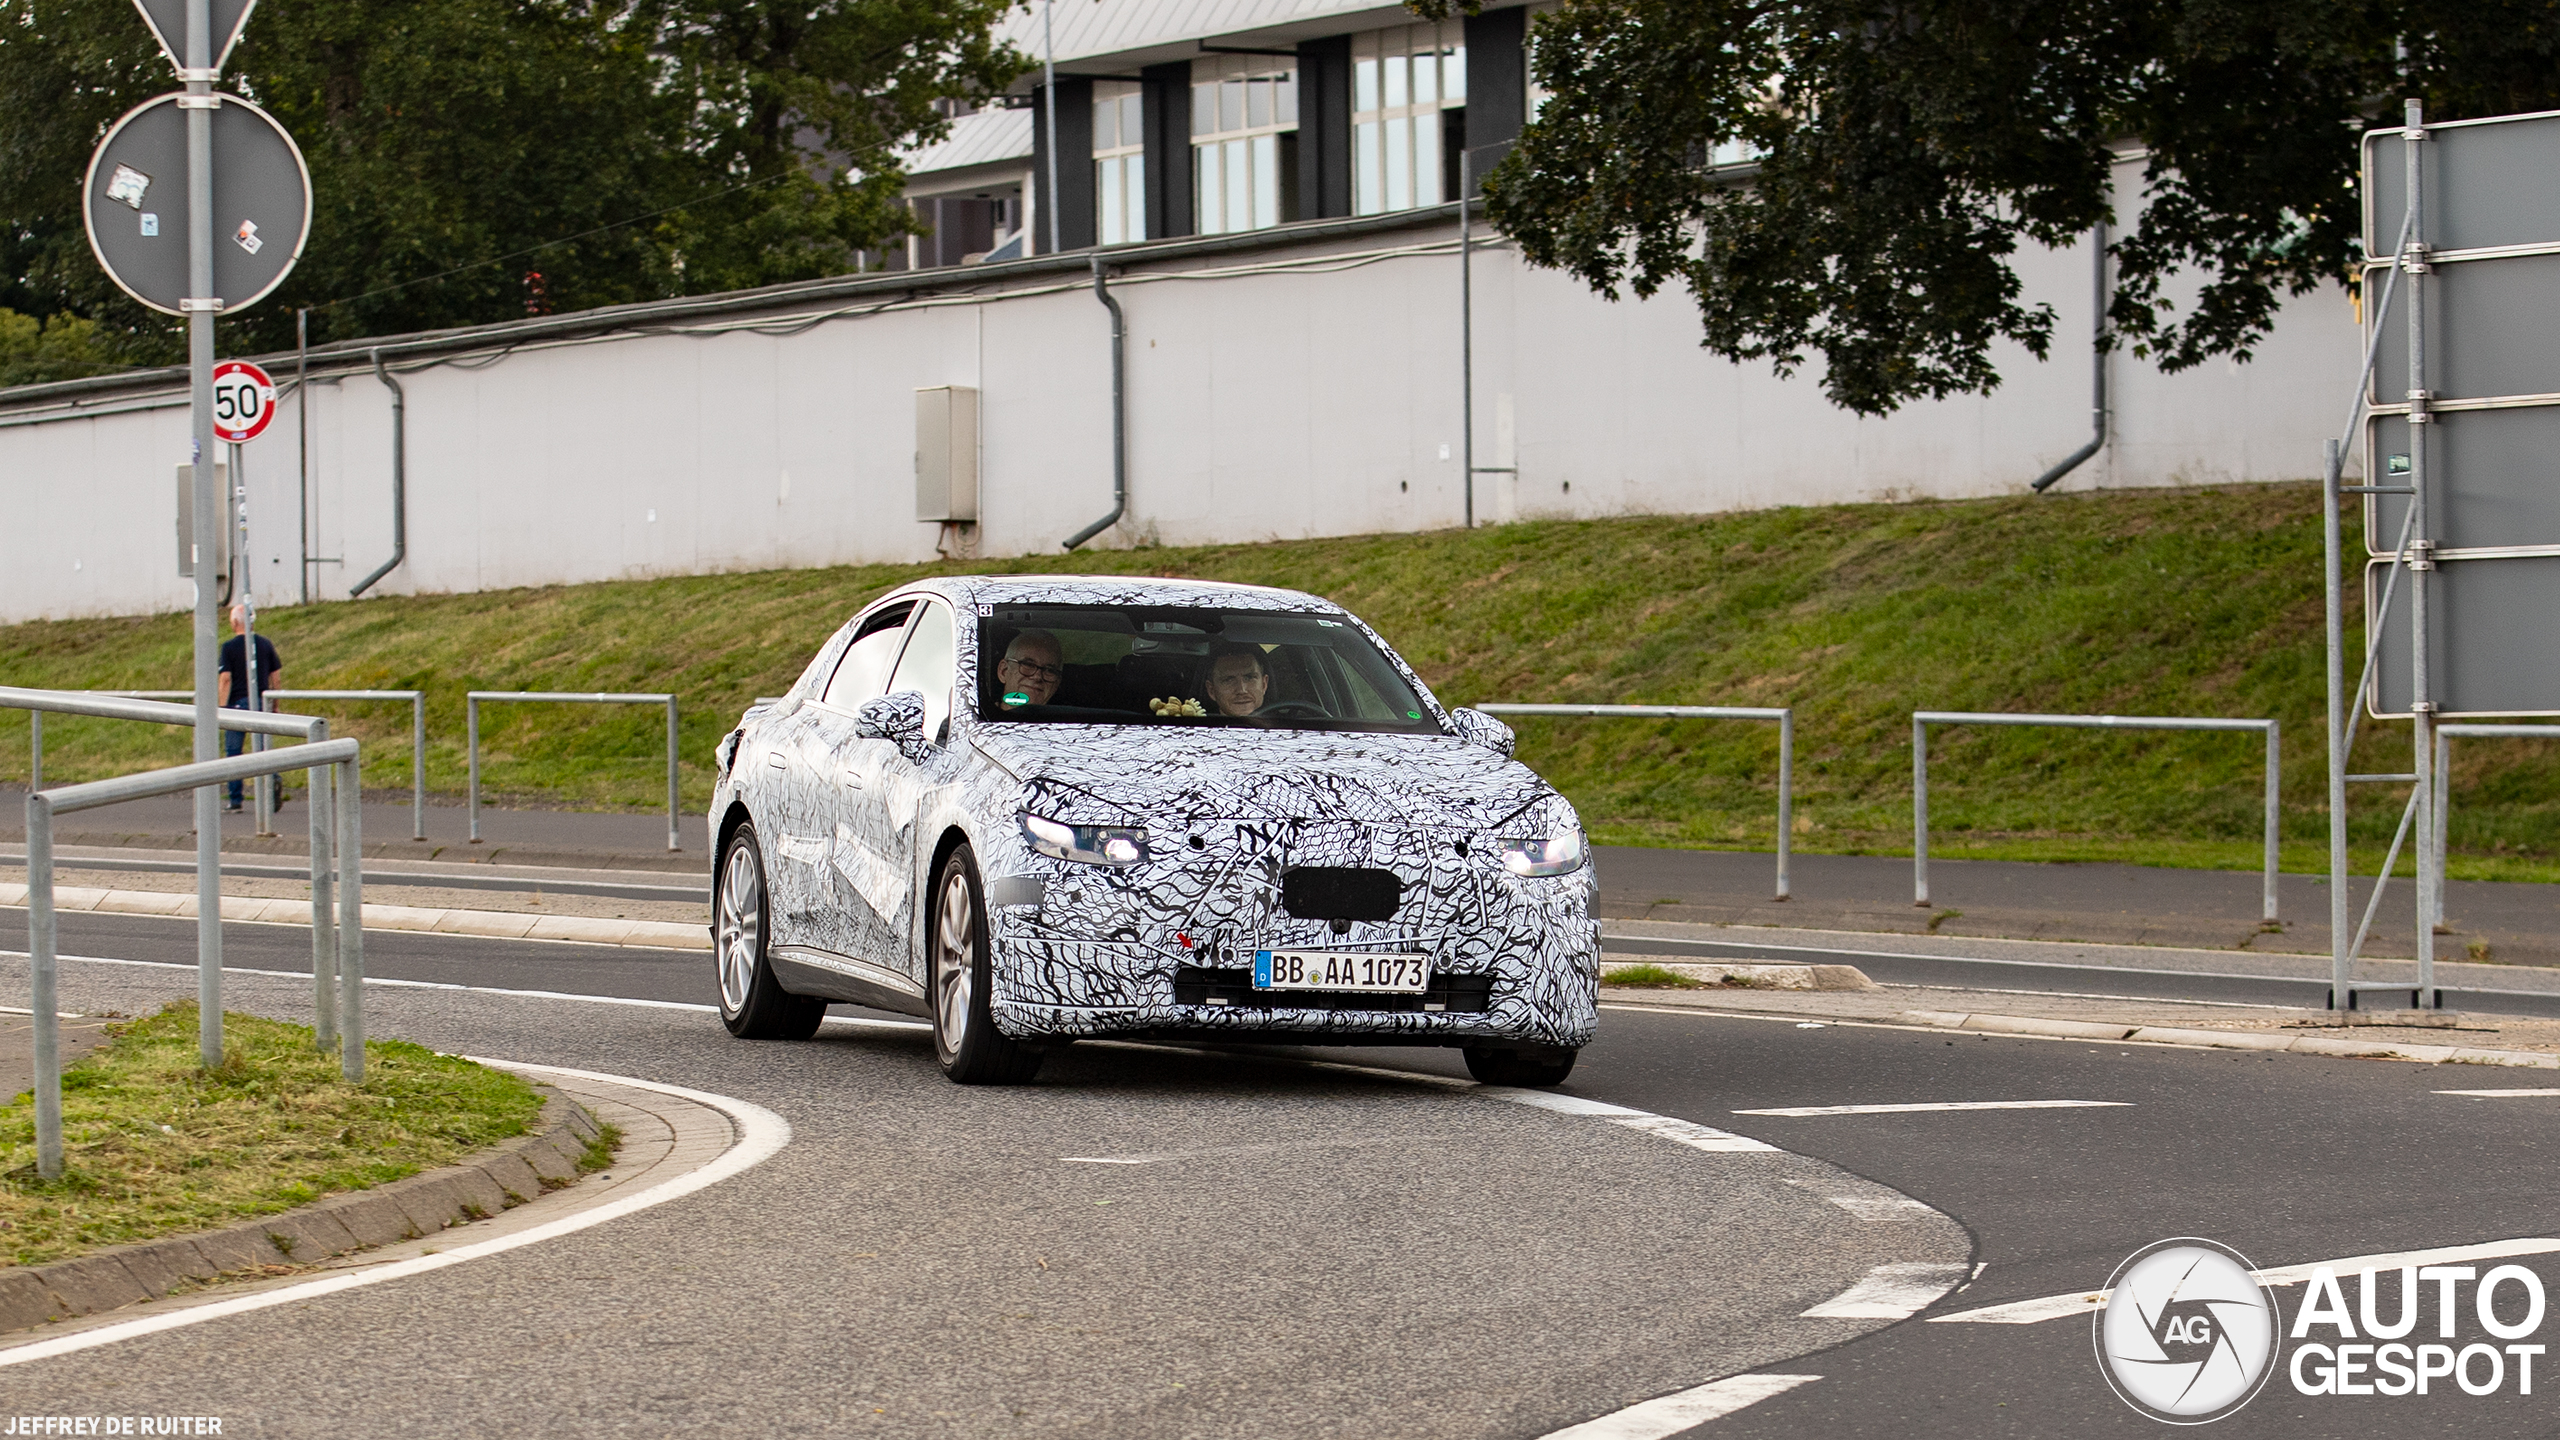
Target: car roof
[1115, 590]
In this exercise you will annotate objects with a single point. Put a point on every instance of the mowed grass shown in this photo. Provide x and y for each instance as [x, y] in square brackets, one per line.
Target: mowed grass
[154, 1144]
[2166, 602]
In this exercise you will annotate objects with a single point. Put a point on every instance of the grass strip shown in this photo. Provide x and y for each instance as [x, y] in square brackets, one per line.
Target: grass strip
[155, 1144]
[2202, 601]
[1649, 977]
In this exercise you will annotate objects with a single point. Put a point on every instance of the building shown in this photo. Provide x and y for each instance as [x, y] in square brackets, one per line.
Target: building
[1263, 191]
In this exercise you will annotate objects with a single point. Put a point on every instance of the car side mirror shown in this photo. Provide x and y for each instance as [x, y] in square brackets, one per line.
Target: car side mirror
[1477, 728]
[898, 719]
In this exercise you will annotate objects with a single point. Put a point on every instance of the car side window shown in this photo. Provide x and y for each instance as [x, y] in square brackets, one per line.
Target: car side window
[928, 665]
[863, 674]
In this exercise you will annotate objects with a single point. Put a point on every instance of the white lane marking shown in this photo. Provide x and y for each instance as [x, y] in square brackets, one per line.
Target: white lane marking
[1891, 1292]
[2499, 1094]
[1800, 1111]
[761, 1135]
[1678, 1132]
[2079, 1302]
[1108, 1160]
[863, 1022]
[1671, 1414]
[1872, 1208]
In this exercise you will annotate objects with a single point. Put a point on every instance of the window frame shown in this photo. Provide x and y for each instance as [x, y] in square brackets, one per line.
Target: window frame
[1389, 122]
[1262, 154]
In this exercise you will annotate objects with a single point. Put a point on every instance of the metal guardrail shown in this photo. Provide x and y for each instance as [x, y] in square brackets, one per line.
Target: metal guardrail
[417, 700]
[2444, 777]
[1921, 720]
[1786, 719]
[337, 933]
[476, 698]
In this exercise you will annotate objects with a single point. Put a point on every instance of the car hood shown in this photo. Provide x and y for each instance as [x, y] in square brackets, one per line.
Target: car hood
[1107, 773]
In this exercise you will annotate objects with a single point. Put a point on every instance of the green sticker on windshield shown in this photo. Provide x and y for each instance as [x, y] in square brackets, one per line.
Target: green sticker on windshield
[1016, 697]
[1413, 714]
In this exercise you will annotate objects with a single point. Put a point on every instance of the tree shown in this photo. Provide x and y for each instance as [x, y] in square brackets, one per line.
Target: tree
[603, 152]
[1896, 153]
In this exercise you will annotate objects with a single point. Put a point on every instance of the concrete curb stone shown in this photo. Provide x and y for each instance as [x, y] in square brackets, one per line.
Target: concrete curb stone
[2231, 1040]
[505, 1174]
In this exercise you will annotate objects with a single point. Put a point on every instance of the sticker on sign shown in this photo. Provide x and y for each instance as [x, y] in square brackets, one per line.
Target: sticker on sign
[244, 400]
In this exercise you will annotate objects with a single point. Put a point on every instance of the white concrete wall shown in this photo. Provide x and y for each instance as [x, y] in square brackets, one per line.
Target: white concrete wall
[1263, 405]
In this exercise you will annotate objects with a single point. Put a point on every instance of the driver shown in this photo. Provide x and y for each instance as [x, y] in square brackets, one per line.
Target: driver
[1237, 677]
[1031, 669]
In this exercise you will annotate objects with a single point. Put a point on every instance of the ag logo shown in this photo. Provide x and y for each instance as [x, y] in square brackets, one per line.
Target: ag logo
[2187, 1335]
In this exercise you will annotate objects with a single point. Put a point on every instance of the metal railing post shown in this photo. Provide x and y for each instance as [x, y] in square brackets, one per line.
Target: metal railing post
[471, 743]
[417, 764]
[2333, 604]
[351, 920]
[1919, 811]
[321, 799]
[2275, 816]
[673, 842]
[41, 961]
[1786, 798]
[35, 750]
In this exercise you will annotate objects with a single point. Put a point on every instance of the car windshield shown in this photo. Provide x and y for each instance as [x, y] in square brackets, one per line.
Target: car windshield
[1160, 665]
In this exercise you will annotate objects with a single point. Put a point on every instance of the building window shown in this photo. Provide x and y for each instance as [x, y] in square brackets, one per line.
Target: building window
[1244, 142]
[1407, 87]
[1119, 162]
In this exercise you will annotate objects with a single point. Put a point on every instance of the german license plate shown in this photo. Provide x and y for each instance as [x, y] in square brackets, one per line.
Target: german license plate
[1330, 970]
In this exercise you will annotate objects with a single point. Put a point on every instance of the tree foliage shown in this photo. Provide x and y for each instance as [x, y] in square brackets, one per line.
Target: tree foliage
[604, 152]
[1898, 153]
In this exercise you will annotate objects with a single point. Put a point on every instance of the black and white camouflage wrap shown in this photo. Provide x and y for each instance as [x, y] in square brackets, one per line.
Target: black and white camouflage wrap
[853, 830]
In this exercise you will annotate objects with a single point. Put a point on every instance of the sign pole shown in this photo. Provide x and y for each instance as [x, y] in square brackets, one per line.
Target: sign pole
[210, 508]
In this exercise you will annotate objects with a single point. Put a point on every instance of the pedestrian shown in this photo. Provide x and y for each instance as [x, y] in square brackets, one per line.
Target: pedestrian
[231, 687]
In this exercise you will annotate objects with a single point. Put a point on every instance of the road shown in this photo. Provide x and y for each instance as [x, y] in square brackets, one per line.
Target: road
[1336, 1254]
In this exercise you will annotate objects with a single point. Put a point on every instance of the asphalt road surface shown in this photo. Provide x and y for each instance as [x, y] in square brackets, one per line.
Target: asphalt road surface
[1312, 1252]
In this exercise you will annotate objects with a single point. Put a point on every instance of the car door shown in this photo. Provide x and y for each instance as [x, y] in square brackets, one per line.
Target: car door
[884, 791]
[838, 921]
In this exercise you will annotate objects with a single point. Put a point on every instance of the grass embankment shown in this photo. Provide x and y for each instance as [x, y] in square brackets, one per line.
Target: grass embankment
[154, 1144]
[2182, 602]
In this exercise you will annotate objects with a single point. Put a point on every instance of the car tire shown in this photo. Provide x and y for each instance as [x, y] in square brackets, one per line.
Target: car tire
[753, 1003]
[1540, 1067]
[965, 1038]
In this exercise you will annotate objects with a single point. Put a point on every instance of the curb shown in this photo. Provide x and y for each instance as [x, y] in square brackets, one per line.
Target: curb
[2229, 1040]
[1753, 976]
[506, 1174]
[493, 924]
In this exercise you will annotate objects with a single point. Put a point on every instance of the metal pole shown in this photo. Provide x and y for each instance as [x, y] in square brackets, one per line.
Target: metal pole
[471, 743]
[199, 305]
[302, 436]
[1786, 795]
[1049, 101]
[2420, 557]
[35, 750]
[2275, 815]
[672, 841]
[1919, 811]
[322, 801]
[40, 957]
[244, 594]
[1467, 338]
[418, 766]
[351, 921]
[2444, 813]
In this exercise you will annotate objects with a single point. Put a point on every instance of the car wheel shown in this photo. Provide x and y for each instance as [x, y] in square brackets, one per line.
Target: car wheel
[753, 1003]
[965, 1038]
[1544, 1066]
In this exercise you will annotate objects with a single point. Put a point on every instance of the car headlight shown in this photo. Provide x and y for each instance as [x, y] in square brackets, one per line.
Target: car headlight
[1556, 855]
[1086, 844]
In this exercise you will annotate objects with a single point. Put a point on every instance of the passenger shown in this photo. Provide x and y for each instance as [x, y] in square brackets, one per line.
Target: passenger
[1030, 671]
[1236, 677]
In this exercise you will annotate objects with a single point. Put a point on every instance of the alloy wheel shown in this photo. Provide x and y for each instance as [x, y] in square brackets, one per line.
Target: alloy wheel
[741, 926]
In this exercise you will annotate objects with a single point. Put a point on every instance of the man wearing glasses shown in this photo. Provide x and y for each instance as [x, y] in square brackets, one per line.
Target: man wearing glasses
[1030, 671]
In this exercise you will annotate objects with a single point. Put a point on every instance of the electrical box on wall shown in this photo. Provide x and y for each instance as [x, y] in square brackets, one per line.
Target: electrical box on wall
[947, 453]
[187, 522]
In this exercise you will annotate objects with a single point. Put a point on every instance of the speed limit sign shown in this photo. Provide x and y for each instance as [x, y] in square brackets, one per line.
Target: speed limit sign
[244, 400]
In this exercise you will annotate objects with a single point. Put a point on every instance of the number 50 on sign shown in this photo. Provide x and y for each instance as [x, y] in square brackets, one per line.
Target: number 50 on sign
[244, 400]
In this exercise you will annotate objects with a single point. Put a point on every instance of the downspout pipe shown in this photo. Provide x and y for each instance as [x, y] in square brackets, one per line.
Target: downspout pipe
[2097, 368]
[1119, 415]
[399, 480]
